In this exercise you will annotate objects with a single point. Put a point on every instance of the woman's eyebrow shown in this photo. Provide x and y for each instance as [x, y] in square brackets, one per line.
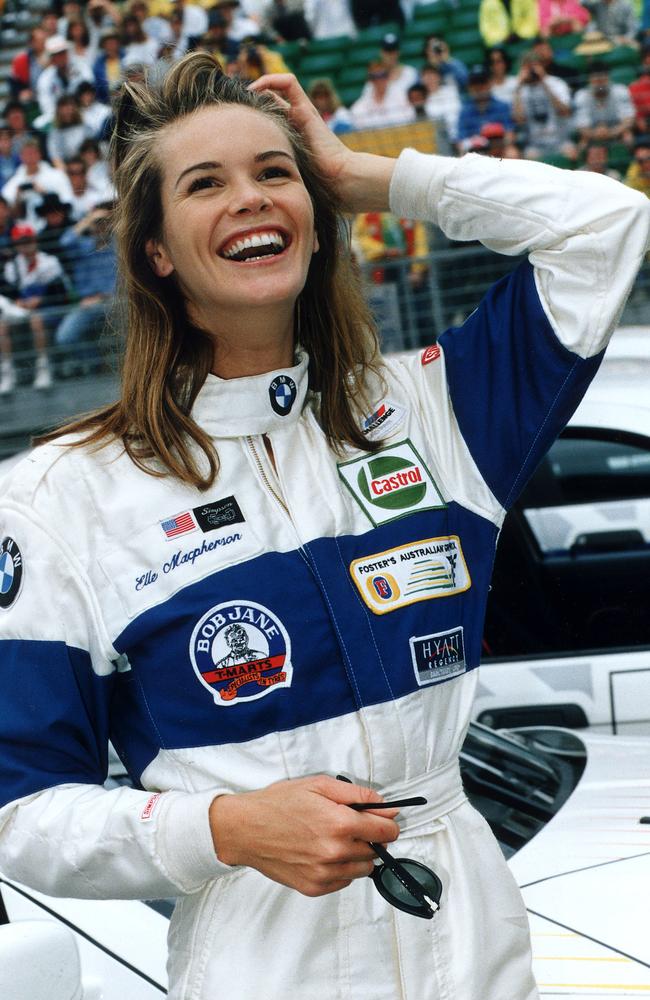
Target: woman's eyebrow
[215, 165]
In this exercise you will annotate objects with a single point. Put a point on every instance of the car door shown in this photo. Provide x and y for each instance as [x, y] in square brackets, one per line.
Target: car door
[567, 634]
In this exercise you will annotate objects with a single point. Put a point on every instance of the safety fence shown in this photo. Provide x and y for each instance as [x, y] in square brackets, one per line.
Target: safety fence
[413, 299]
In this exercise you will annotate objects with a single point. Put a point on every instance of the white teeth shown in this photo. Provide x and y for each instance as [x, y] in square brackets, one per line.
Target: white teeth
[272, 238]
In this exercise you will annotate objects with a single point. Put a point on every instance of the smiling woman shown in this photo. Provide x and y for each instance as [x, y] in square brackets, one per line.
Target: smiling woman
[324, 619]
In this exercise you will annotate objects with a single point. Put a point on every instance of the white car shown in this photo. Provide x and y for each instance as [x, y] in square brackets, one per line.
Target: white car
[572, 814]
[567, 634]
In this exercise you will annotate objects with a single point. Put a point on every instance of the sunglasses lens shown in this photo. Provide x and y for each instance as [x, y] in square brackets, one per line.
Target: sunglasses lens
[428, 880]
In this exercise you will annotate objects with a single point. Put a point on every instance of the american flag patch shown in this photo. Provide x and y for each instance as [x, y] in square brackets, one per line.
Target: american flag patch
[179, 525]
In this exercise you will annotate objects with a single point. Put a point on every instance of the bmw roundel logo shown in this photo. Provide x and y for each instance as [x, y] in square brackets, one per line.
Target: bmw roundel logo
[282, 393]
[11, 572]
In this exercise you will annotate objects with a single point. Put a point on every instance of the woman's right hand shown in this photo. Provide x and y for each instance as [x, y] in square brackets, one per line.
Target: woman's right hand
[301, 833]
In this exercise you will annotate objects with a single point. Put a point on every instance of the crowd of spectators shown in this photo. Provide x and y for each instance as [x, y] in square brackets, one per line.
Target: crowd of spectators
[57, 264]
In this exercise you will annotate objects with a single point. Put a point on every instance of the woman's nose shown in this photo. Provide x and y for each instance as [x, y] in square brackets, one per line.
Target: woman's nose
[249, 197]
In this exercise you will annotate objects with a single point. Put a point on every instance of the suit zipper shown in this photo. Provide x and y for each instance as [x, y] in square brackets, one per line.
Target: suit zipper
[265, 478]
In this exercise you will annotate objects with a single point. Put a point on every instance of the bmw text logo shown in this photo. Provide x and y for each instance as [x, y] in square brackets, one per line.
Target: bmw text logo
[11, 572]
[282, 393]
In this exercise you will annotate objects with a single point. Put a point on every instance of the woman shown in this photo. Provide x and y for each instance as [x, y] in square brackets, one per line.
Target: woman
[79, 37]
[245, 546]
[503, 82]
[328, 104]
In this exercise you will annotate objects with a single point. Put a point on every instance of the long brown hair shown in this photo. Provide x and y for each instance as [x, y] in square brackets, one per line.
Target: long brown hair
[166, 358]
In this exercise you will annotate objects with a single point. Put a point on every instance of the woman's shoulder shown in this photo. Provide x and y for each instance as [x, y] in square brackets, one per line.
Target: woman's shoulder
[53, 474]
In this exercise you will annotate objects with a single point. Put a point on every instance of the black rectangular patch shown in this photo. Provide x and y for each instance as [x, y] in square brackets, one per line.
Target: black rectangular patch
[218, 514]
[438, 657]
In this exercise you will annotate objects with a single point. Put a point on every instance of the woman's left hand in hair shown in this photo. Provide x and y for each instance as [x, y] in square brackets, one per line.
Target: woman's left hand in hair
[360, 179]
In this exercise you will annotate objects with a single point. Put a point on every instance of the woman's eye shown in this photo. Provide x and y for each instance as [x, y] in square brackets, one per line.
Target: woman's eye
[271, 172]
[201, 182]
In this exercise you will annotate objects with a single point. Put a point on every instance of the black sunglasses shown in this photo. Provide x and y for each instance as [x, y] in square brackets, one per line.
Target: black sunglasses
[406, 884]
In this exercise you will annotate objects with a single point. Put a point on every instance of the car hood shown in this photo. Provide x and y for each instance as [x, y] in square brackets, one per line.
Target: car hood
[585, 878]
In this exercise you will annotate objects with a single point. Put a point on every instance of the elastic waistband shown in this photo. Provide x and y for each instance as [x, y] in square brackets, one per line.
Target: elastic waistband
[443, 790]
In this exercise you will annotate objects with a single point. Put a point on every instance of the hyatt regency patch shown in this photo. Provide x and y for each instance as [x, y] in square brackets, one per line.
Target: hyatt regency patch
[438, 657]
[418, 571]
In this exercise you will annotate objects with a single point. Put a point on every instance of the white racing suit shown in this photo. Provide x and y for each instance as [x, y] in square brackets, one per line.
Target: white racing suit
[322, 618]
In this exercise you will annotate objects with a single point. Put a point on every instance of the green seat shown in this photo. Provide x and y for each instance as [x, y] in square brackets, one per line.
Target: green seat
[291, 52]
[463, 38]
[562, 43]
[374, 35]
[351, 76]
[471, 55]
[624, 74]
[349, 94]
[557, 160]
[321, 45]
[411, 51]
[325, 64]
[622, 55]
[463, 20]
[361, 55]
[427, 10]
[619, 156]
[431, 26]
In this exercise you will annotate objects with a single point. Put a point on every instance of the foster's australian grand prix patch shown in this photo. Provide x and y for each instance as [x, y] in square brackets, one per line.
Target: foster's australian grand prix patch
[11, 572]
[240, 652]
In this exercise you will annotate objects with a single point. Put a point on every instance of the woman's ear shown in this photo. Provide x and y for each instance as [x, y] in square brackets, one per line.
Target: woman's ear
[159, 261]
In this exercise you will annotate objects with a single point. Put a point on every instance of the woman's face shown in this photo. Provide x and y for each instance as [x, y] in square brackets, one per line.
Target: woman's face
[238, 222]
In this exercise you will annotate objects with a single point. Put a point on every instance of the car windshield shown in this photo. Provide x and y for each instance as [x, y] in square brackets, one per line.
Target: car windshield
[518, 780]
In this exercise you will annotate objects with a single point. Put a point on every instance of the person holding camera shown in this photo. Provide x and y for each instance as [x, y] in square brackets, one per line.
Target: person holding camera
[542, 105]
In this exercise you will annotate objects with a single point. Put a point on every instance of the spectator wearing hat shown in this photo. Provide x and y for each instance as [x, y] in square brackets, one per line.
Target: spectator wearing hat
[330, 18]
[542, 106]
[328, 104]
[604, 110]
[41, 291]
[480, 107]
[92, 248]
[56, 218]
[27, 66]
[443, 101]
[640, 93]
[400, 75]
[616, 19]
[63, 75]
[378, 107]
[436, 52]
[9, 160]
[34, 178]
[638, 172]
[108, 66]
[503, 83]
[67, 132]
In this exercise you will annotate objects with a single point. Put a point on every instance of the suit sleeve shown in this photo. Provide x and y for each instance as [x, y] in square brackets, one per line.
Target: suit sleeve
[61, 831]
[519, 365]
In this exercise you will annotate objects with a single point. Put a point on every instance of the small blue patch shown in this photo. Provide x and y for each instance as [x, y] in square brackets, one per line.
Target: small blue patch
[282, 393]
